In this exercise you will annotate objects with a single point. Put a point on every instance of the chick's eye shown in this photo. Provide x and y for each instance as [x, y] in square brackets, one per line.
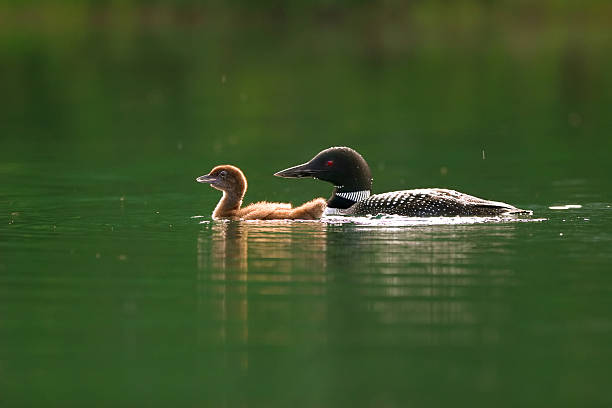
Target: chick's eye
[329, 163]
[223, 173]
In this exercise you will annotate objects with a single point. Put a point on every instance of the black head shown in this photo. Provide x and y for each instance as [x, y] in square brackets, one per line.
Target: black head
[341, 166]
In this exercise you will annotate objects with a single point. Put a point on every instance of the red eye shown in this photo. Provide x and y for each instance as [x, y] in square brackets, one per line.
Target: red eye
[329, 163]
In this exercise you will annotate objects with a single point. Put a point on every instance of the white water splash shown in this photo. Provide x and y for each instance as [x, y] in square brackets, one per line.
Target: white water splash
[400, 221]
[393, 220]
[565, 207]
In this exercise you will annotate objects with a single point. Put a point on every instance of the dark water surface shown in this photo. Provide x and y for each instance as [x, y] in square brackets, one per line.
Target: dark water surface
[126, 300]
[117, 289]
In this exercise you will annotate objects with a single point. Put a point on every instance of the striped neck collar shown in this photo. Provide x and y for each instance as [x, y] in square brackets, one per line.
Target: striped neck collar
[354, 196]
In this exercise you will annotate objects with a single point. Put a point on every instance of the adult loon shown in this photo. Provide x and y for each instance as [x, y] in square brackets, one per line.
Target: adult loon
[232, 182]
[350, 174]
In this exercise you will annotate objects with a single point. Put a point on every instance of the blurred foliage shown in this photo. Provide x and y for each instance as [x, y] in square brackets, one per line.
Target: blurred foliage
[106, 79]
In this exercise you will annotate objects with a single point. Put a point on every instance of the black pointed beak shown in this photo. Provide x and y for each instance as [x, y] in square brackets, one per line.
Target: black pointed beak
[303, 170]
[207, 178]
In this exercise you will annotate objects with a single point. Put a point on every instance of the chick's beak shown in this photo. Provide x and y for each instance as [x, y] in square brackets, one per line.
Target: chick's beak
[303, 170]
[207, 178]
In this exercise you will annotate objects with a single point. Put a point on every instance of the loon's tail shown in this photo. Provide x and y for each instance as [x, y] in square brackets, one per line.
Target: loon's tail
[517, 211]
[499, 208]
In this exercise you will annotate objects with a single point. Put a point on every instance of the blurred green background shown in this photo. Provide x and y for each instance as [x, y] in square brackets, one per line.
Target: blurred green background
[132, 81]
[111, 295]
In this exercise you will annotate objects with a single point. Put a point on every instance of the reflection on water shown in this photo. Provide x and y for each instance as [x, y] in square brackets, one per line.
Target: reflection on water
[222, 291]
[227, 251]
[226, 248]
[407, 285]
[418, 284]
[281, 246]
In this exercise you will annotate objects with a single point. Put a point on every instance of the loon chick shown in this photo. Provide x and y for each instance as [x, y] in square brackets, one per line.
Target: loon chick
[350, 174]
[232, 182]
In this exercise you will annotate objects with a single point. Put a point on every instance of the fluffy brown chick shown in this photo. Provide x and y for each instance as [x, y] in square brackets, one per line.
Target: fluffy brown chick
[232, 182]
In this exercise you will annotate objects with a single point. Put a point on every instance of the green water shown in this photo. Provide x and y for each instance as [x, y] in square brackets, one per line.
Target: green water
[113, 293]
